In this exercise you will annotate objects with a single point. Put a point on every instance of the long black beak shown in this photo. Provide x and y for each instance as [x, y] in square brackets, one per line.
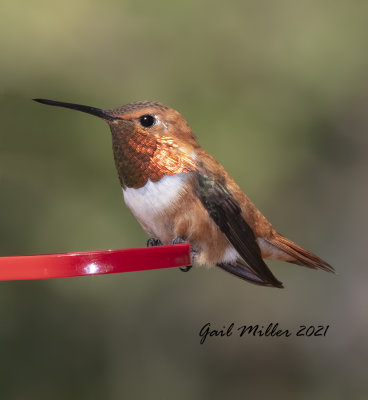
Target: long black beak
[98, 112]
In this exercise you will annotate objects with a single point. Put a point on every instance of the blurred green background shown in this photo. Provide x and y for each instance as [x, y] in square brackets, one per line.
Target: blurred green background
[277, 91]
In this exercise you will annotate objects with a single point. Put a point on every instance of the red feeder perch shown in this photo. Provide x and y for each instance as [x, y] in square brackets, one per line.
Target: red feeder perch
[83, 263]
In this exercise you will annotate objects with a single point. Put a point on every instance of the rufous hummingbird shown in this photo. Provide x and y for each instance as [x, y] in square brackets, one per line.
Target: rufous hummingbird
[180, 193]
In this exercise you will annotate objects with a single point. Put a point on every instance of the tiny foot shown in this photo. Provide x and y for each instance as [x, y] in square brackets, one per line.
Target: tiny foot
[153, 242]
[179, 240]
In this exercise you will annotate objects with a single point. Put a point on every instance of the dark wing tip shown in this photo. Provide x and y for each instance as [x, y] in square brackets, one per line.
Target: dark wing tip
[226, 213]
[242, 271]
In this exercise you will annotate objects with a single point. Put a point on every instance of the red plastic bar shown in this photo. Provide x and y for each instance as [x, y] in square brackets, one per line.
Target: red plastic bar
[61, 265]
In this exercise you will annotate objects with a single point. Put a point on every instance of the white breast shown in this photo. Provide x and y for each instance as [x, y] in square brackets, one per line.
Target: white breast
[153, 198]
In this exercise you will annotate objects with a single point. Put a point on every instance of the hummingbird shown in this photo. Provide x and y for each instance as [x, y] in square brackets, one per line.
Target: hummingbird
[179, 193]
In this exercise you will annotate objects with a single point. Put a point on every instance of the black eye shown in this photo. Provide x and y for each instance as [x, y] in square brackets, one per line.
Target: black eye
[147, 120]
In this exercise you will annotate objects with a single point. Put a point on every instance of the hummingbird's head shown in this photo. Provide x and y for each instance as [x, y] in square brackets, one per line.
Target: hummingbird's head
[150, 140]
[150, 117]
[154, 119]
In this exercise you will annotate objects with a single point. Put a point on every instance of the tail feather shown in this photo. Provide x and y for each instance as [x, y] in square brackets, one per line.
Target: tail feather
[299, 255]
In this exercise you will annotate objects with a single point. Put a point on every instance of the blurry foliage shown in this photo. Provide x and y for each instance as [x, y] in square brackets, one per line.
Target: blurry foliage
[277, 92]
